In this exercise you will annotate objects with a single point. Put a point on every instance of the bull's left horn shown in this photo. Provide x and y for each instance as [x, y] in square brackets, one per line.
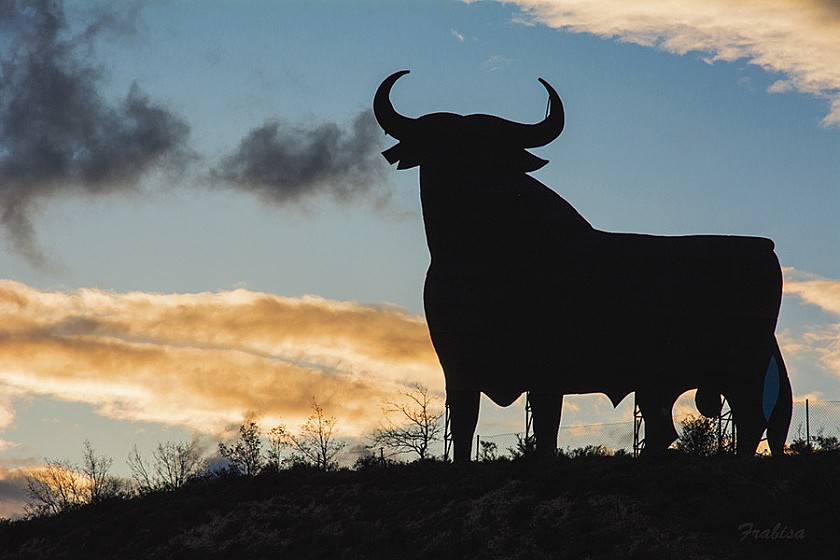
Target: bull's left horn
[541, 133]
[391, 122]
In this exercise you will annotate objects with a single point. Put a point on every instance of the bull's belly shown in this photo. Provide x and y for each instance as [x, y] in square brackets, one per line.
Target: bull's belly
[585, 354]
[502, 339]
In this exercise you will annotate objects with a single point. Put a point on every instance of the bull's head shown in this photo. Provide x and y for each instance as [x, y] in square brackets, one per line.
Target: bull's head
[467, 139]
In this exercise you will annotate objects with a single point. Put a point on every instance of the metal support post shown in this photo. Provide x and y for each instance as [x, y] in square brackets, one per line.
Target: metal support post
[529, 418]
[808, 424]
[447, 434]
[638, 422]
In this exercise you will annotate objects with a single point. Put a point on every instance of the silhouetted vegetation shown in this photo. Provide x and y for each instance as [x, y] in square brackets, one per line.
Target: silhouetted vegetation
[593, 506]
[699, 436]
[526, 446]
[61, 485]
[245, 456]
[417, 426]
[173, 465]
[820, 443]
[315, 443]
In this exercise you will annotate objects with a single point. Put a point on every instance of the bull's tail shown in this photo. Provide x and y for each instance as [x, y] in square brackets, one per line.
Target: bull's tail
[777, 402]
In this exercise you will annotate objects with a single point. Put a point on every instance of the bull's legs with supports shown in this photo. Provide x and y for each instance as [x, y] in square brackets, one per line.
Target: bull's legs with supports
[463, 418]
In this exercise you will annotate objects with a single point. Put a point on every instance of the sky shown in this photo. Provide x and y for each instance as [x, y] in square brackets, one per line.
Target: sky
[198, 227]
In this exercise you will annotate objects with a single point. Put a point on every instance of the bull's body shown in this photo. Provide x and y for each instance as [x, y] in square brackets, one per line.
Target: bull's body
[523, 294]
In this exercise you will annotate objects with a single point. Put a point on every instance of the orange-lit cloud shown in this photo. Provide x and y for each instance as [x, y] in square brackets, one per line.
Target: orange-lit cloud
[800, 40]
[823, 340]
[203, 360]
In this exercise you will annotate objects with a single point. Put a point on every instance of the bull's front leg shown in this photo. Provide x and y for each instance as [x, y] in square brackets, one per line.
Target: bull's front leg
[657, 408]
[463, 417]
[545, 411]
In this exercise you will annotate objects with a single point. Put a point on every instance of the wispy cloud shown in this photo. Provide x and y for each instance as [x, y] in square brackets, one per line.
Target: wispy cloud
[822, 292]
[497, 61]
[202, 360]
[822, 341]
[800, 40]
[58, 135]
[284, 163]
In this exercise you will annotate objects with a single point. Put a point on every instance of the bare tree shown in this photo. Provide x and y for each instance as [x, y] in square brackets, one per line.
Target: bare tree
[316, 443]
[141, 472]
[246, 455]
[417, 424]
[173, 464]
[99, 483]
[56, 487]
[61, 485]
[278, 441]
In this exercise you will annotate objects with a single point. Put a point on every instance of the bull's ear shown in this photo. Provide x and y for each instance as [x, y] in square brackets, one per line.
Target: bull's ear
[402, 155]
[393, 154]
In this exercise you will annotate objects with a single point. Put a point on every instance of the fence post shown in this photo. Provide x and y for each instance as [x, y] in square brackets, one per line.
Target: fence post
[807, 424]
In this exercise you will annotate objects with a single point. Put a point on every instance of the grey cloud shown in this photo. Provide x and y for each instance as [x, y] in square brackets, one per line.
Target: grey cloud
[284, 163]
[57, 134]
[12, 492]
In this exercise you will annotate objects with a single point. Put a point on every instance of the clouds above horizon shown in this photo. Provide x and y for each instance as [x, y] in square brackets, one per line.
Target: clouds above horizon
[204, 360]
[819, 341]
[800, 40]
[58, 136]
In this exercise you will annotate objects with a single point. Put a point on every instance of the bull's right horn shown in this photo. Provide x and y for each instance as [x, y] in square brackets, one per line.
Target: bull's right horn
[541, 133]
[391, 122]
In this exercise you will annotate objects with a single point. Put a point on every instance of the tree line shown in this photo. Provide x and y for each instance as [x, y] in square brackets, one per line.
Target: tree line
[410, 425]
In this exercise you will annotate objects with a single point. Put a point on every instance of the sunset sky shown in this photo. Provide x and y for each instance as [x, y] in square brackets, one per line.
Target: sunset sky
[198, 225]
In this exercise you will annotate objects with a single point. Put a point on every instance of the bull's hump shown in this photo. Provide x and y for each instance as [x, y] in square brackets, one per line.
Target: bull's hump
[698, 245]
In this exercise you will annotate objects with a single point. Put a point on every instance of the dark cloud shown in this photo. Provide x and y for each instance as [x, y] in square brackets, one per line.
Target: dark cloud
[282, 163]
[12, 492]
[57, 134]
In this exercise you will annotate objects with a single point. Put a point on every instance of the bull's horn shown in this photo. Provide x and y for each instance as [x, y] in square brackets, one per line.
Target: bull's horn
[541, 133]
[391, 122]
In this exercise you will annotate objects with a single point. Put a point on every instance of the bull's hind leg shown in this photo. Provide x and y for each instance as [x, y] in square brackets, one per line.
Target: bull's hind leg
[745, 403]
[545, 410]
[749, 421]
[779, 422]
[763, 403]
[657, 410]
[463, 417]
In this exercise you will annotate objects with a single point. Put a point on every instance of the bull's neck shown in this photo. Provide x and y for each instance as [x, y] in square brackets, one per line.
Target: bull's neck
[464, 210]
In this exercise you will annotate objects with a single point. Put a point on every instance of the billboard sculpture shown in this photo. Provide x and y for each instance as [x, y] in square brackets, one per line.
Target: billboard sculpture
[523, 294]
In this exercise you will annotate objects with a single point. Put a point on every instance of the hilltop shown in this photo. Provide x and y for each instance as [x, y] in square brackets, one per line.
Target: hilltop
[589, 507]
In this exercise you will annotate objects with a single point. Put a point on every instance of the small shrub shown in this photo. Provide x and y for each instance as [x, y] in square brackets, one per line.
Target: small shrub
[488, 451]
[589, 451]
[699, 437]
[525, 447]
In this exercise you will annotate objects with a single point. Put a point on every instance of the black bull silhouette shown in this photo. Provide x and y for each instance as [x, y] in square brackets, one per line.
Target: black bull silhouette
[523, 294]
